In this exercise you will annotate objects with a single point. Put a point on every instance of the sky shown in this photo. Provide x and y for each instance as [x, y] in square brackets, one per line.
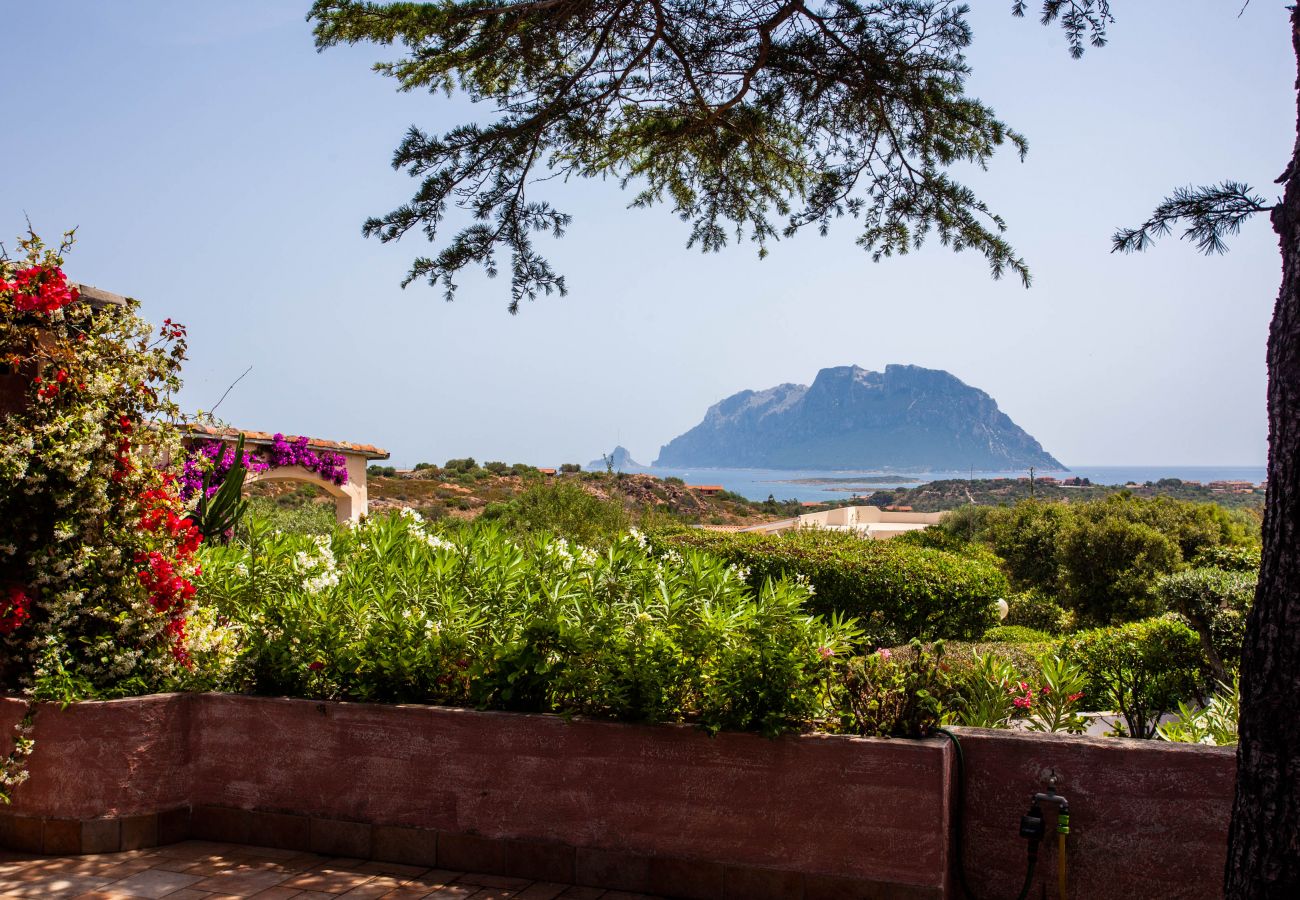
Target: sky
[218, 169]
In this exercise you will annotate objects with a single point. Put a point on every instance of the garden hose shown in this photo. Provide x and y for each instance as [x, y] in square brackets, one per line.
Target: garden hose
[958, 808]
[1062, 829]
[1033, 822]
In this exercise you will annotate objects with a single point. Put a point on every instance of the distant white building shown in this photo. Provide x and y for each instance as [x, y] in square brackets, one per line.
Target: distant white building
[870, 522]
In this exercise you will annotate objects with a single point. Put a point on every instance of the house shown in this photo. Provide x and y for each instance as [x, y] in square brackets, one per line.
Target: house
[870, 522]
[1232, 487]
[707, 490]
[545, 471]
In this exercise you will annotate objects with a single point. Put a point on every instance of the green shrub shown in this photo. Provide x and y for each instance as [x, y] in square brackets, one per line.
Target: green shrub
[1214, 724]
[1215, 602]
[564, 509]
[468, 464]
[381, 471]
[1016, 634]
[393, 611]
[1027, 537]
[1140, 670]
[1230, 559]
[1033, 609]
[1102, 558]
[896, 591]
[984, 697]
[496, 468]
[963, 660]
[301, 517]
[888, 696]
[1109, 568]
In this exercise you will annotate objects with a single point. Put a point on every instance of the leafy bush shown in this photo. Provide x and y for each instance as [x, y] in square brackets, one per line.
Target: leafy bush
[1229, 559]
[564, 509]
[392, 611]
[1027, 537]
[896, 591]
[1102, 558]
[1140, 670]
[570, 468]
[381, 471]
[1016, 634]
[467, 464]
[963, 660]
[1215, 602]
[1033, 609]
[1109, 568]
[984, 698]
[1214, 724]
[301, 517]
[888, 696]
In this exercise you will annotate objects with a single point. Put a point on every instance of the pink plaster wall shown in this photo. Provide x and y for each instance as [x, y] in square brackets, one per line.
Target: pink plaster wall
[1147, 818]
[115, 758]
[856, 807]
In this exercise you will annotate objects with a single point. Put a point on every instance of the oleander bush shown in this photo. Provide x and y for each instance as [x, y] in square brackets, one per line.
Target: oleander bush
[564, 509]
[471, 615]
[896, 591]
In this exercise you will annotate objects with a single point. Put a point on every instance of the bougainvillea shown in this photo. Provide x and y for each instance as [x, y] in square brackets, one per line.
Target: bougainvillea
[211, 460]
[96, 554]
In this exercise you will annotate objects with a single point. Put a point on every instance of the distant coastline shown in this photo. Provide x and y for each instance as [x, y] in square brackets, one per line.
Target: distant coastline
[830, 484]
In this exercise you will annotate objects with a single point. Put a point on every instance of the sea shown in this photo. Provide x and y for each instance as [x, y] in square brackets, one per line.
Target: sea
[830, 484]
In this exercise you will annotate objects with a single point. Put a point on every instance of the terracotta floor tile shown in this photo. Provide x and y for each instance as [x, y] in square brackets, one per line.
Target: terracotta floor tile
[433, 879]
[279, 892]
[454, 892]
[242, 882]
[541, 890]
[152, 883]
[398, 869]
[493, 881]
[375, 888]
[58, 887]
[328, 879]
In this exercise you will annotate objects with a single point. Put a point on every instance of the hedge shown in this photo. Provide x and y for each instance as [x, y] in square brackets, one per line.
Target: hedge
[896, 591]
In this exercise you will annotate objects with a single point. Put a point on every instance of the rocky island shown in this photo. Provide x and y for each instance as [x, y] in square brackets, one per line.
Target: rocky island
[905, 418]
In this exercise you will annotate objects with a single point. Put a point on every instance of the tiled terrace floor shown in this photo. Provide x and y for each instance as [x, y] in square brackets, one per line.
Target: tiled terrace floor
[203, 870]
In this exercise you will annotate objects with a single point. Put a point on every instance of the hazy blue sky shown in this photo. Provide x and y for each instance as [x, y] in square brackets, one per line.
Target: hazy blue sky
[219, 170]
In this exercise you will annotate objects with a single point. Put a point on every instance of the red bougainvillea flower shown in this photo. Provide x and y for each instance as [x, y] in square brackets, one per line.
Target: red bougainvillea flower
[1074, 697]
[40, 289]
[15, 609]
[317, 666]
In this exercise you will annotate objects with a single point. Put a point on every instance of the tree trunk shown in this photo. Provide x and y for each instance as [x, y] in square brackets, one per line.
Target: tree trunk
[1264, 840]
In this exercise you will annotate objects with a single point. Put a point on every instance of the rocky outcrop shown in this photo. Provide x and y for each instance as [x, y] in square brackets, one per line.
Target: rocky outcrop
[620, 460]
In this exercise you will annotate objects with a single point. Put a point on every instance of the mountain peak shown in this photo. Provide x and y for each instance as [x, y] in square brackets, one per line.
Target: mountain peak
[907, 417]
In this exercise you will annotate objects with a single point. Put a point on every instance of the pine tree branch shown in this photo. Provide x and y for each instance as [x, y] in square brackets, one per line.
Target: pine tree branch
[1210, 213]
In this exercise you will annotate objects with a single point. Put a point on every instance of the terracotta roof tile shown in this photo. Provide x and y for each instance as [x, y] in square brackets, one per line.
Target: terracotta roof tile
[369, 451]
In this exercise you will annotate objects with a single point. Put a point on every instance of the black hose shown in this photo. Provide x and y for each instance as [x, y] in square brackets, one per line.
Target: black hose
[1029, 873]
[958, 809]
[957, 813]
